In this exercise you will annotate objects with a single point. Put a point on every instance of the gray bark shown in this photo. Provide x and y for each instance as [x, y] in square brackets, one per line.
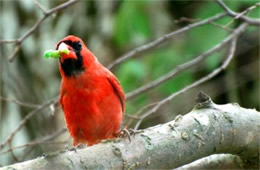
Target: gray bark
[217, 161]
[208, 129]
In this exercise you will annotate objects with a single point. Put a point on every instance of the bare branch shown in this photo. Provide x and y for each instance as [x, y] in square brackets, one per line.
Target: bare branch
[44, 140]
[216, 161]
[39, 5]
[16, 50]
[54, 135]
[136, 116]
[179, 69]
[238, 31]
[47, 13]
[193, 20]
[19, 102]
[13, 154]
[60, 7]
[26, 118]
[160, 40]
[222, 26]
[247, 10]
[185, 19]
[36, 25]
[238, 16]
[195, 135]
[8, 41]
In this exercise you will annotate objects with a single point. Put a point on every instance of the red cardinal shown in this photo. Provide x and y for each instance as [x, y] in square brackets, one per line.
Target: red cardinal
[91, 96]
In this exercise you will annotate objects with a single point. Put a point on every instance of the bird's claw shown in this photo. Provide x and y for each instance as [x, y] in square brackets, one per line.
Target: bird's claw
[81, 146]
[75, 148]
[126, 133]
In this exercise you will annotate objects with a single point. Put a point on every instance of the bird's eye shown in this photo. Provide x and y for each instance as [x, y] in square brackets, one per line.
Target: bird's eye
[79, 45]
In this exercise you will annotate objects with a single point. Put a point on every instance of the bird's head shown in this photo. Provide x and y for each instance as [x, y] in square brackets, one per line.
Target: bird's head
[73, 44]
[77, 59]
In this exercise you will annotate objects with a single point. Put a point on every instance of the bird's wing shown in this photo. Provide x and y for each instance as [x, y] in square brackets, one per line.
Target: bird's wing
[118, 89]
[62, 93]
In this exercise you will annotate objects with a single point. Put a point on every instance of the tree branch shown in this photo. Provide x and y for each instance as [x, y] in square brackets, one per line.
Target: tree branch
[157, 42]
[25, 119]
[183, 67]
[43, 140]
[238, 16]
[198, 82]
[206, 130]
[47, 13]
[31, 105]
[217, 161]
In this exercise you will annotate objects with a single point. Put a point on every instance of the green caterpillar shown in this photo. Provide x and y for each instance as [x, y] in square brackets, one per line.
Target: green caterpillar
[55, 53]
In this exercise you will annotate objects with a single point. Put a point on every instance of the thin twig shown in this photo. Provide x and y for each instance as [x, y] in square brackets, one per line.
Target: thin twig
[237, 32]
[238, 16]
[242, 13]
[131, 116]
[55, 134]
[192, 20]
[16, 50]
[13, 154]
[222, 26]
[247, 10]
[19, 102]
[31, 144]
[139, 112]
[26, 118]
[161, 40]
[39, 5]
[60, 7]
[44, 140]
[47, 13]
[8, 41]
[185, 19]
[178, 69]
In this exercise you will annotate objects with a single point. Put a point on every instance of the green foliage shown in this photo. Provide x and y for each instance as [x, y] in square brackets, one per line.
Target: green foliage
[131, 23]
[132, 74]
[161, 62]
[207, 36]
[133, 27]
[132, 107]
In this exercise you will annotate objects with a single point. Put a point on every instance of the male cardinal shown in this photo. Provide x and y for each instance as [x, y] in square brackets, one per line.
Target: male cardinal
[91, 97]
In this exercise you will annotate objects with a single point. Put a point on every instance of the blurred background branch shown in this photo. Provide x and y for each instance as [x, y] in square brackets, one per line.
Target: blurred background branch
[180, 68]
[160, 40]
[47, 13]
[242, 14]
[198, 82]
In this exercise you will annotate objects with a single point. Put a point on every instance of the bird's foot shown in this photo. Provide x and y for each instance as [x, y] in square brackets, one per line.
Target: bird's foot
[126, 133]
[81, 146]
[75, 148]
